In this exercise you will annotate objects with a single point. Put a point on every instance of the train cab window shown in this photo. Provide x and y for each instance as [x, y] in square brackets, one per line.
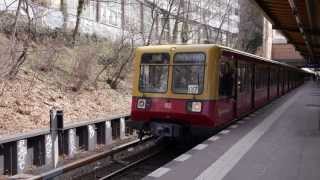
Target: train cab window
[188, 73]
[154, 71]
[226, 77]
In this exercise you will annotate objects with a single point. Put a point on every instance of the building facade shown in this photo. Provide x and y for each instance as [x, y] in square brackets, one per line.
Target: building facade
[284, 52]
[171, 21]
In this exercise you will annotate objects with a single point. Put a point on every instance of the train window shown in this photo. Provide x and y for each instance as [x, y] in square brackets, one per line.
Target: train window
[244, 77]
[188, 73]
[261, 77]
[226, 77]
[273, 77]
[154, 71]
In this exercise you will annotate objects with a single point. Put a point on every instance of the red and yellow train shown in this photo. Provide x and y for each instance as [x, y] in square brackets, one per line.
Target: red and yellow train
[179, 87]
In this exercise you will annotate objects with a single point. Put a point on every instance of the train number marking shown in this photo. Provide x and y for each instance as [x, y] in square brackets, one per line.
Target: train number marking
[193, 89]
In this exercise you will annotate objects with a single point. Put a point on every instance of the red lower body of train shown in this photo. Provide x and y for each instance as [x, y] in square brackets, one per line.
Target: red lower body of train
[167, 117]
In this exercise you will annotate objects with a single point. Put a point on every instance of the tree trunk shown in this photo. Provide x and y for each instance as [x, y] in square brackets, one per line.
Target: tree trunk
[115, 79]
[76, 29]
[176, 23]
[64, 10]
[222, 20]
[14, 31]
[185, 27]
[171, 2]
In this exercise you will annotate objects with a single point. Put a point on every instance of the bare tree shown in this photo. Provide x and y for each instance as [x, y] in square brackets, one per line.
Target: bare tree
[117, 59]
[64, 10]
[114, 80]
[7, 6]
[166, 18]
[223, 20]
[250, 27]
[18, 57]
[185, 31]
[76, 28]
[177, 20]
[154, 16]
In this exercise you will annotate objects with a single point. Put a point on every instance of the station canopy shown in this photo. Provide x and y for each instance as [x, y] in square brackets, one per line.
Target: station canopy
[299, 22]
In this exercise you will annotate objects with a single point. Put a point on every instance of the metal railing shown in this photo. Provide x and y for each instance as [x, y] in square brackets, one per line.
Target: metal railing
[20, 152]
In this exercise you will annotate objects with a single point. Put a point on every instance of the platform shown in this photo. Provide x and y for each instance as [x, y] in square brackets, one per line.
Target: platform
[278, 142]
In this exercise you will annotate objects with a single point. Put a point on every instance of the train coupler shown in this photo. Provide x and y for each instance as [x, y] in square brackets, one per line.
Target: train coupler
[165, 129]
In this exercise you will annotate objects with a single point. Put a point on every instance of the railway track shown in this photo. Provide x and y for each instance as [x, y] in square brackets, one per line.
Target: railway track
[141, 164]
[133, 164]
[95, 159]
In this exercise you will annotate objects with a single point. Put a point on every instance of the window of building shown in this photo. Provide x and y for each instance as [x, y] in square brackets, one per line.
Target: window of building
[236, 11]
[113, 17]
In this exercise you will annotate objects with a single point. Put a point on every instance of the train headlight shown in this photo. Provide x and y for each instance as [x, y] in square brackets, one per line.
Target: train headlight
[194, 106]
[141, 103]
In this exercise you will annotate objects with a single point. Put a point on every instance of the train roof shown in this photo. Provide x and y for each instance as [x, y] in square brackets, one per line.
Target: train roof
[257, 57]
[208, 46]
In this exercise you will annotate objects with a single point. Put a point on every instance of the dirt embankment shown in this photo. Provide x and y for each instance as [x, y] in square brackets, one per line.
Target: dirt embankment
[26, 100]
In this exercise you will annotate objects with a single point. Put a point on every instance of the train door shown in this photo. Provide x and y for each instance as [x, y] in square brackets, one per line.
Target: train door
[226, 102]
[273, 82]
[253, 84]
[283, 81]
[268, 84]
[278, 81]
[288, 85]
[244, 87]
[261, 85]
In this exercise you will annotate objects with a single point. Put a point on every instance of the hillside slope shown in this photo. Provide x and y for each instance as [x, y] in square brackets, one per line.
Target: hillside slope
[26, 100]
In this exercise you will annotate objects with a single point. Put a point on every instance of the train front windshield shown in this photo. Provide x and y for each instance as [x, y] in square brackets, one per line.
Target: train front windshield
[188, 73]
[154, 72]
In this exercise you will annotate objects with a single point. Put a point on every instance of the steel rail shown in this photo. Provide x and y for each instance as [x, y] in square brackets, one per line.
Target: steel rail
[80, 163]
[130, 165]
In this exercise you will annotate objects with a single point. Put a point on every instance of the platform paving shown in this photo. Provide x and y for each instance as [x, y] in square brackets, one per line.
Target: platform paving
[280, 142]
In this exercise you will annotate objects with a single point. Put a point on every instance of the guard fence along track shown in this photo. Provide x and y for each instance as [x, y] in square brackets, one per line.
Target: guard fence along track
[87, 162]
[22, 152]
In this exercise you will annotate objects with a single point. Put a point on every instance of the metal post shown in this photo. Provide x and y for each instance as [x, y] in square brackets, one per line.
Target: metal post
[108, 133]
[92, 137]
[22, 152]
[122, 128]
[72, 147]
[1, 159]
[48, 150]
[56, 126]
